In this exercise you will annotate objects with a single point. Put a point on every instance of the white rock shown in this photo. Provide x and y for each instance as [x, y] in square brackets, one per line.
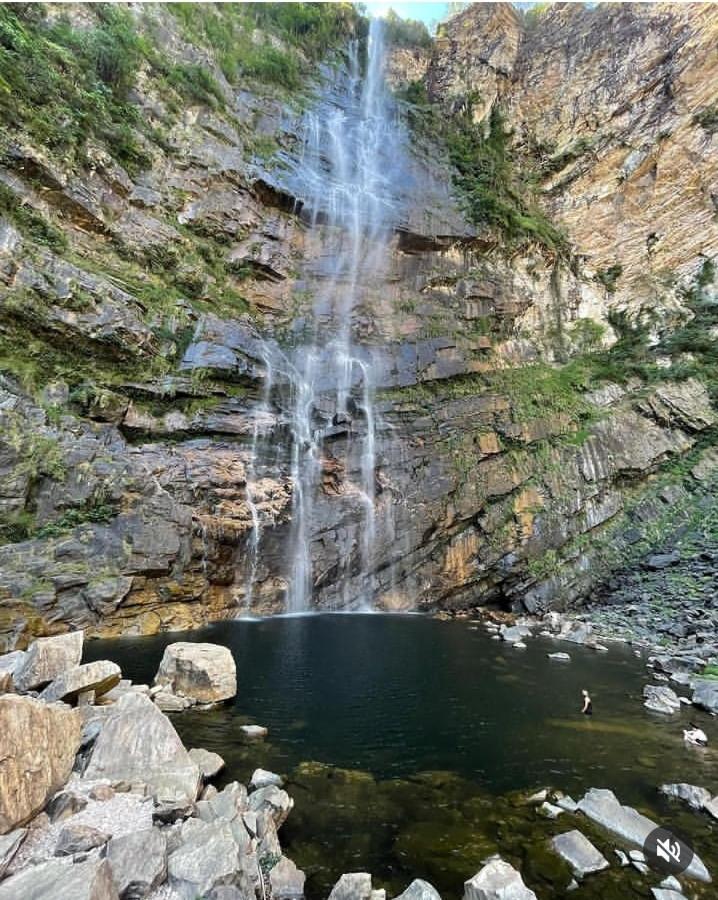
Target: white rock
[210, 764]
[579, 853]
[559, 657]
[262, 778]
[551, 811]
[419, 890]
[47, 658]
[254, 731]
[60, 879]
[352, 886]
[497, 880]
[286, 880]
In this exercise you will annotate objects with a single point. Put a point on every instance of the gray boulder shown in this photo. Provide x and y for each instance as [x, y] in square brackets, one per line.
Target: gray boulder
[352, 886]
[579, 853]
[705, 694]
[666, 894]
[695, 797]
[660, 698]
[60, 879]
[209, 763]
[254, 731]
[65, 804]
[47, 658]
[286, 880]
[138, 862]
[100, 676]
[207, 858]
[138, 744]
[419, 890]
[75, 838]
[514, 634]
[497, 880]
[576, 632]
[602, 807]
[9, 664]
[712, 807]
[200, 673]
[9, 845]
[262, 778]
[274, 799]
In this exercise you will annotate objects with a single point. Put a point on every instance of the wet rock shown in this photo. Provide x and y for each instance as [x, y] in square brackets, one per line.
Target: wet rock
[9, 664]
[254, 731]
[497, 880]
[711, 807]
[352, 886]
[274, 799]
[75, 838]
[514, 634]
[262, 778]
[579, 853]
[559, 657]
[602, 807]
[286, 880]
[87, 880]
[705, 695]
[210, 764]
[65, 804]
[551, 811]
[567, 804]
[419, 890]
[138, 743]
[695, 797]
[201, 673]
[99, 677]
[47, 658]
[661, 699]
[576, 632]
[138, 862]
[39, 743]
[9, 845]
[666, 894]
[206, 859]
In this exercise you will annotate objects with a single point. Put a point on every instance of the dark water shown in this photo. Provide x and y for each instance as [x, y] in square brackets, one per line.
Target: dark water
[405, 739]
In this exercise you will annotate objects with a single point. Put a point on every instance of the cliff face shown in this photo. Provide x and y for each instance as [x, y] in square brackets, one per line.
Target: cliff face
[135, 311]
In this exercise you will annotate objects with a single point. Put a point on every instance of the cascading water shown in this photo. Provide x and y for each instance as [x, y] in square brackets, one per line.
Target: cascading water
[353, 145]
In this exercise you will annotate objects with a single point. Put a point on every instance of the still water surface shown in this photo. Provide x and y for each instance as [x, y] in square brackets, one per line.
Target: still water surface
[404, 740]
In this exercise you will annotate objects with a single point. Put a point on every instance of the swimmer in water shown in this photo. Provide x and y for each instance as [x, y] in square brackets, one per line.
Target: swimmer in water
[587, 708]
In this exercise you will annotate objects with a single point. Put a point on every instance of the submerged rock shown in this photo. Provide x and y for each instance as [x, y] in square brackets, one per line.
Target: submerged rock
[39, 743]
[200, 673]
[579, 853]
[47, 658]
[497, 880]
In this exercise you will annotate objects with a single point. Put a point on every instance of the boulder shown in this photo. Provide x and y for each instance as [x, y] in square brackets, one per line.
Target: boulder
[659, 893]
[138, 743]
[9, 845]
[262, 778]
[514, 634]
[286, 880]
[603, 807]
[661, 699]
[201, 673]
[705, 694]
[497, 880]
[352, 886]
[76, 838]
[138, 862]
[254, 731]
[579, 853]
[274, 799]
[100, 676]
[47, 658]
[210, 764]
[419, 890]
[60, 879]
[9, 664]
[65, 804]
[559, 657]
[207, 858]
[576, 632]
[695, 797]
[39, 743]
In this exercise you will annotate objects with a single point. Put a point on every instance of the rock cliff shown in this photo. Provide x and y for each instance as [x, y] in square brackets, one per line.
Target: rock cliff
[139, 292]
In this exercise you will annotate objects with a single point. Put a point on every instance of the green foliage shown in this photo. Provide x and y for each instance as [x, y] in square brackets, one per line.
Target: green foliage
[609, 277]
[66, 85]
[710, 672]
[401, 32]
[30, 222]
[96, 509]
[586, 335]
[707, 118]
[196, 83]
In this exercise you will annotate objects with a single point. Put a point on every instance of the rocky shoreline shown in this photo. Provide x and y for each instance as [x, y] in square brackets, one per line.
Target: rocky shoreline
[98, 794]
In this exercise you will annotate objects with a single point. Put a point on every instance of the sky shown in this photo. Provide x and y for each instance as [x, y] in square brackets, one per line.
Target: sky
[426, 12]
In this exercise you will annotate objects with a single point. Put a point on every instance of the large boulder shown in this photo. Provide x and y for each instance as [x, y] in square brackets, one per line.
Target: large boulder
[286, 880]
[207, 858]
[210, 764]
[263, 778]
[138, 862]
[352, 886]
[497, 880]
[200, 673]
[660, 698]
[61, 880]
[138, 743]
[275, 800]
[419, 890]
[9, 664]
[705, 694]
[38, 743]
[603, 807]
[47, 658]
[579, 853]
[696, 797]
[100, 676]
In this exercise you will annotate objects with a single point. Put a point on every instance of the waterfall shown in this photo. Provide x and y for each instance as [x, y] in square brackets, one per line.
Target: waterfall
[352, 151]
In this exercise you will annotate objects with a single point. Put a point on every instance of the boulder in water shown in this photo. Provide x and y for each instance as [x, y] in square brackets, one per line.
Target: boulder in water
[695, 797]
[262, 778]
[210, 764]
[352, 886]
[199, 673]
[659, 698]
[705, 694]
[579, 853]
[286, 880]
[419, 890]
[497, 880]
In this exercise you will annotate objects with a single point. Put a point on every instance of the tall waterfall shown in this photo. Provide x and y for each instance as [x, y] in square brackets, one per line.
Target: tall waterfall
[349, 155]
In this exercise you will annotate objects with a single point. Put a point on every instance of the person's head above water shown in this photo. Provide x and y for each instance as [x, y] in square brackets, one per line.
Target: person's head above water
[584, 692]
